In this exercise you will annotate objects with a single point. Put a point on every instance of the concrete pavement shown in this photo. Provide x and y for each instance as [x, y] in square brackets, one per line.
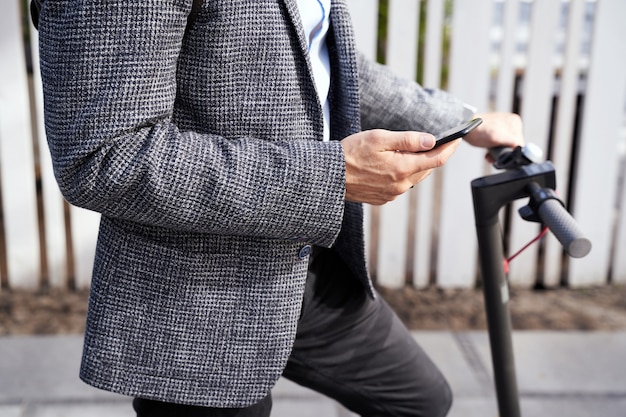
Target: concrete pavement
[573, 374]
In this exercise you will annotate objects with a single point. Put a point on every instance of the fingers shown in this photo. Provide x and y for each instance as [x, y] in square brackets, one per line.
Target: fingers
[497, 129]
[381, 165]
[437, 159]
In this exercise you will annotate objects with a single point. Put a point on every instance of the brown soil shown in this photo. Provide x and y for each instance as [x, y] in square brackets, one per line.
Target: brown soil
[601, 308]
[598, 308]
[42, 312]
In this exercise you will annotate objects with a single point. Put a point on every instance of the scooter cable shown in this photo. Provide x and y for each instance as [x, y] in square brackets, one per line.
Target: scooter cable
[508, 260]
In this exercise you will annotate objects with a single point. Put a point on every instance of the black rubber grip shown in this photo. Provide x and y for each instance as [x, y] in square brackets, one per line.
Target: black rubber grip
[497, 152]
[565, 228]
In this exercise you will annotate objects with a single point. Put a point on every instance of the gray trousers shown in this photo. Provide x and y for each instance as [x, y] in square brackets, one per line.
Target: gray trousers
[350, 348]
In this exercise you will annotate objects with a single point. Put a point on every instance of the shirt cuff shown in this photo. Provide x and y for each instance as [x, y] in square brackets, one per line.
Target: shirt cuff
[469, 111]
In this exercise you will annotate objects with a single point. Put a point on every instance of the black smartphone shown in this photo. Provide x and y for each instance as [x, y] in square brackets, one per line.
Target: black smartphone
[456, 132]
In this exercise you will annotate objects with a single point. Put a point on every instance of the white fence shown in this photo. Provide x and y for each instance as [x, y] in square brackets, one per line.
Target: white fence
[560, 63]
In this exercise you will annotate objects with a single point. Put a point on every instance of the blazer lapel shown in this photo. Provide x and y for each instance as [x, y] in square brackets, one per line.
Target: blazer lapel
[296, 22]
[341, 47]
[344, 93]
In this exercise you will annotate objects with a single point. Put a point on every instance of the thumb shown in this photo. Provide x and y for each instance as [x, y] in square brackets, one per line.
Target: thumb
[413, 141]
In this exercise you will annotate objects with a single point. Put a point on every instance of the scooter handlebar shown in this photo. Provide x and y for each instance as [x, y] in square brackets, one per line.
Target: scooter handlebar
[564, 228]
[510, 158]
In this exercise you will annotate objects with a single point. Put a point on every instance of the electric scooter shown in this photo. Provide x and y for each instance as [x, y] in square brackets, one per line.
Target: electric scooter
[523, 177]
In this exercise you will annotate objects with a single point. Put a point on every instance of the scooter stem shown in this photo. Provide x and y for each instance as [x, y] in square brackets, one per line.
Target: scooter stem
[490, 194]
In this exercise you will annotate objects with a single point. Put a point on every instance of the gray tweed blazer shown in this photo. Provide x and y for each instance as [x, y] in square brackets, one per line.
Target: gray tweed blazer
[201, 149]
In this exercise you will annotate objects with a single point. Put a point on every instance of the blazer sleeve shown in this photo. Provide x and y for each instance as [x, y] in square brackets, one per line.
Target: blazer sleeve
[109, 75]
[390, 102]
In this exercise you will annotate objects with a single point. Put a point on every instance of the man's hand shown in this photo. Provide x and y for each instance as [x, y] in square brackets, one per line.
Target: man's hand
[497, 129]
[381, 164]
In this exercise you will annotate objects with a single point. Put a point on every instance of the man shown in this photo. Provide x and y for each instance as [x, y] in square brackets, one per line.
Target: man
[229, 153]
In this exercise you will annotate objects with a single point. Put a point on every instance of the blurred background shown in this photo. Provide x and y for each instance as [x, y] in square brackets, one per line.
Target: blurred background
[558, 63]
[561, 64]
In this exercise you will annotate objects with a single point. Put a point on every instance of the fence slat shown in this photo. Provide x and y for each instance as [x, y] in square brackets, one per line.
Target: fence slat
[537, 95]
[506, 60]
[506, 64]
[392, 242]
[424, 197]
[401, 56]
[17, 159]
[55, 244]
[619, 251]
[469, 59]
[364, 14]
[424, 193]
[402, 35]
[596, 183]
[433, 44]
[564, 129]
[84, 236]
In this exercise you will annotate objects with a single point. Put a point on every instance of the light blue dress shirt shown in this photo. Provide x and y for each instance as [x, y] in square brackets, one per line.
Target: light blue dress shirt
[314, 15]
